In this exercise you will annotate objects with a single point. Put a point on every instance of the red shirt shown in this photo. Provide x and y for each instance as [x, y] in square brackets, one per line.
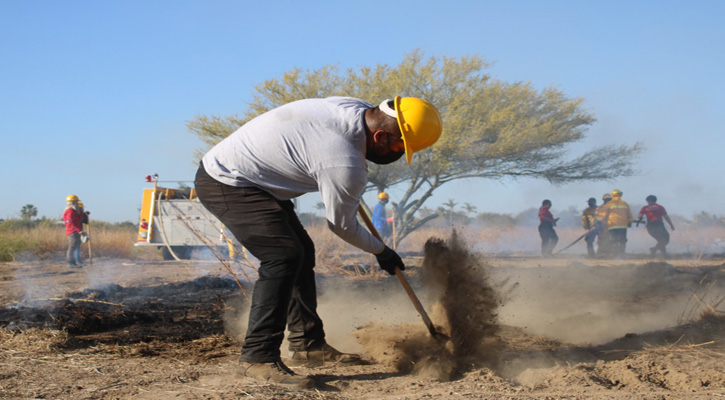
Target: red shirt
[654, 212]
[544, 213]
[72, 220]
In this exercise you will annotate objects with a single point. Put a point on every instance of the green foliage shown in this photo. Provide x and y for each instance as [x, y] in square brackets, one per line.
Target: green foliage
[11, 225]
[113, 226]
[492, 129]
[11, 245]
[489, 219]
[28, 212]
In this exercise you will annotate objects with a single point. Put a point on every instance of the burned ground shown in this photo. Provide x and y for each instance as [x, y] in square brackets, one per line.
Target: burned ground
[170, 330]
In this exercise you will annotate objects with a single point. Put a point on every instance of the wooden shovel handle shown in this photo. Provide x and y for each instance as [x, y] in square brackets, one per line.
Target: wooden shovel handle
[416, 303]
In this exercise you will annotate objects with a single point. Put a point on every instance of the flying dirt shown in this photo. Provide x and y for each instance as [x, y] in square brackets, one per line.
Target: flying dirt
[464, 303]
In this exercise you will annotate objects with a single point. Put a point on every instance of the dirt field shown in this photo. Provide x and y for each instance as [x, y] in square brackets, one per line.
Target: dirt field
[563, 328]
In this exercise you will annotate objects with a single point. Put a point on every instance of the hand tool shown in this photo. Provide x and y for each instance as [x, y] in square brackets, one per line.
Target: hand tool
[416, 303]
[578, 239]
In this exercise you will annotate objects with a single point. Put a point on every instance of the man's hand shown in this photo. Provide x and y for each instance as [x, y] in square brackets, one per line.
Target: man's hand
[389, 259]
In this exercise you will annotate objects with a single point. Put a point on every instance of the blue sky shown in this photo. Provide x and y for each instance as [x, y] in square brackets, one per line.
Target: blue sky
[94, 95]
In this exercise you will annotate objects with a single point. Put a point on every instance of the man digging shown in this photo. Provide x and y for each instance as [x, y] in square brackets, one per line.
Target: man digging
[248, 181]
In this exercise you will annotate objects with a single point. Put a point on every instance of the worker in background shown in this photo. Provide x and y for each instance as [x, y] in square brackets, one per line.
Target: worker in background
[619, 218]
[85, 237]
[547, 222]
[655, 225]
[84, 213]
[72, 217]
[380, 218]
[248, 180]
[603, 243]
[589, 222]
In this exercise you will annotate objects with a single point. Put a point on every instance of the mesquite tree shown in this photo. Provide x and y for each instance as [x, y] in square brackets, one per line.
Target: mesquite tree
[491, 129]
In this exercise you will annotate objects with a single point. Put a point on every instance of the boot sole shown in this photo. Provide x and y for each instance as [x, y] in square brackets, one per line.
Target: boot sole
[307, 384]
[318, 363]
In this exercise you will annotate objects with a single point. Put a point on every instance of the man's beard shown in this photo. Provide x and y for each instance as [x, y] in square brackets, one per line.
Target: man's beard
[386, 159]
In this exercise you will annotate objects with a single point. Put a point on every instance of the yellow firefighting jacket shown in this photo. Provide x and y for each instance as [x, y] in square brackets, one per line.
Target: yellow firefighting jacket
[620, 216]
[589, 217]
[601, 214]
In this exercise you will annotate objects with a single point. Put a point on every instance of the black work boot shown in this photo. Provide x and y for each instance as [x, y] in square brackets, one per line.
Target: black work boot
[275, 373]
[317, 356]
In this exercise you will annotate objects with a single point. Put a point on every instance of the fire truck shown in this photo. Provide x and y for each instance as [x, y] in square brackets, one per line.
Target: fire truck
[175, 221]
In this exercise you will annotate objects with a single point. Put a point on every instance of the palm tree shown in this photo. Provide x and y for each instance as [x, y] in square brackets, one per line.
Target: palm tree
[28, 212]
[320, 206]
[451, 204]
[470, 208]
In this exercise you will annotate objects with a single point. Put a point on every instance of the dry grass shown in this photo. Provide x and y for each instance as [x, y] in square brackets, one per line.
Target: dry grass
[47, 242]
[32, 340]
[44, 242]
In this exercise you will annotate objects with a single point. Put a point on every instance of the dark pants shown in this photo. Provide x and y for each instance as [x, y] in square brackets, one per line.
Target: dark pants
[285, 292]
[73, 255]
[590, 237]
[618, 240]
[549, 238]
[603, 243]
[658, 231]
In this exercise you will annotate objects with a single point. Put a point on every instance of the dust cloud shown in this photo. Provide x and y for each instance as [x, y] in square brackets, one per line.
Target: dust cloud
[591, 305]
[465, 306]
[377, 318]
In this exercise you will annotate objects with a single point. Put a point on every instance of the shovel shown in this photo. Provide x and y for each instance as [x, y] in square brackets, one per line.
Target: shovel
[416, 303]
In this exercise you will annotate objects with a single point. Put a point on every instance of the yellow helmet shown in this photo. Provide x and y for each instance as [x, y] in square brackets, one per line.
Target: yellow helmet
[419, 121]
[71, 198]
[607, 196]
[383, 195]
[616, 193]
[80, 204]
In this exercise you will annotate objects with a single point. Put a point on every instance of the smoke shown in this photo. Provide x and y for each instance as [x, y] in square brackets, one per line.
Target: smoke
[344, 305]
[236, 316]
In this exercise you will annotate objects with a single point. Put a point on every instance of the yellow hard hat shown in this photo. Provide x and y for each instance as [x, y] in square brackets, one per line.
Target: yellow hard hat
[71, 198]
[616, 193]
[80, 204]
[383, 195]
[419, 121]
[607, 196]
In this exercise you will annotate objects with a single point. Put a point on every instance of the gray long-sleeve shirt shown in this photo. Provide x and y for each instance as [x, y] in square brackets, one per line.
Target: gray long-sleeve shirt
[304, 146]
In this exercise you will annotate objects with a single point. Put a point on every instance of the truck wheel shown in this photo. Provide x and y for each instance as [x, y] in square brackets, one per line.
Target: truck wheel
[183, 252]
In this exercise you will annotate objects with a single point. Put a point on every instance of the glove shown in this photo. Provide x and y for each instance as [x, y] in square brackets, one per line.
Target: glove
[389, 259]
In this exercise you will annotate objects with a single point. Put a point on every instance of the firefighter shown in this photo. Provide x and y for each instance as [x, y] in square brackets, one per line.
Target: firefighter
[72, 218]
[619, 218]
[589, 222]
[380, 219]
[84, 213]
[248, 180]
[655, 226]
[547, 222]
[85, 235]
[603, 246]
